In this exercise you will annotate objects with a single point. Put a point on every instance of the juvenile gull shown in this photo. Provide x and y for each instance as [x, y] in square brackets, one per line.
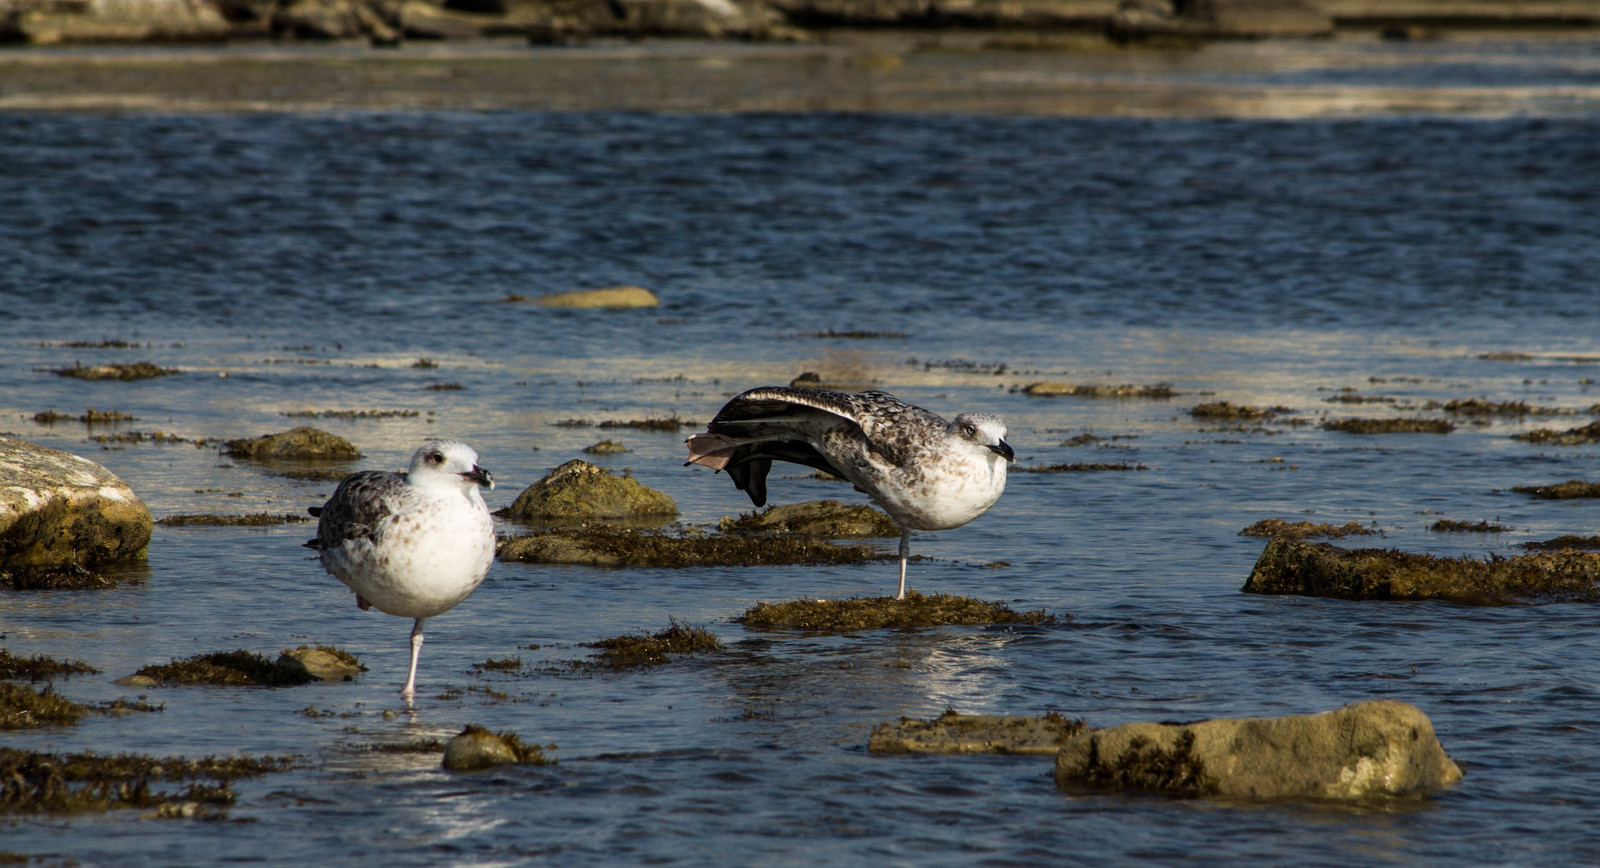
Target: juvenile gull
[412, 544]
[928, 474]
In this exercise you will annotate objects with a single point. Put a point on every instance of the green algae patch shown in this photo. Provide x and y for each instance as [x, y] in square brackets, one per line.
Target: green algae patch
[1389, 426]
[654, 649]
[229, 669]
[1445, 525]
[1275, 528]
[1572, 489]
[22, 707]
[71, 577]
[580, 491]
[40, 668]
[295, 444]
[878, 613]
[1323, 570]
[90, 416]
[135, 371]
[54, 783]
[1142, 764]
[1051, 389]
[608, 546]
[506, 664]
[1563, 542]
[606, 447]
[1081, 467]
[1581, 436]
[825, 519]
[258, 519]
[955, 733]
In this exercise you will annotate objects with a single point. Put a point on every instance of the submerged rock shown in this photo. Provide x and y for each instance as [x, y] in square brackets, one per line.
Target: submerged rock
[1322, 570]
[610, 297]
[877, 613]
[324, 662]
[476, 748]
[227, 669]
[827, 519]
[1572, 489]
[58, 509]
[976, 733]
[1581, 436]
[295, 444]
[1052, 389]
[1223, 410]
[1375, 749]
[604, 546]
[1276, 528]
[135, 371]
[581, 491]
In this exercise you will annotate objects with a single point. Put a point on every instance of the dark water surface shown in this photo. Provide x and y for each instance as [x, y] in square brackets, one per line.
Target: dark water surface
[289, 263]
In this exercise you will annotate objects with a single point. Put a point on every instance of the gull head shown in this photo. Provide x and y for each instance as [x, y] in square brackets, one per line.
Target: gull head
[446, 462]
[983, 430]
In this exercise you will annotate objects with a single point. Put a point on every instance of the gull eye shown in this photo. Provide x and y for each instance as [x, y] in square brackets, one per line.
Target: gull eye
[435, 458]
[971, 431]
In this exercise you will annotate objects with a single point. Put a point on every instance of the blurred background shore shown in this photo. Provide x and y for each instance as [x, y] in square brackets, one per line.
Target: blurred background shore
[1150, 58]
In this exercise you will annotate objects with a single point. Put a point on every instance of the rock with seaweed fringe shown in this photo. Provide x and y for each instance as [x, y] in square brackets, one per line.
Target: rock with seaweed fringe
[40, 667]
[643, 650]
[225, 669]
[324, 662]
[827, 519]
[22, 707]
[476, 748]
[1275, 528]
[580, 491]
[135, 371]
[1323, 570]
[296, 444]
[53, 783]
[1572, 489]
[607, 546]
[1580, 436]
[955, 733]
[1053, 389]
[877, 613]
[1367, 750]
[58, 510]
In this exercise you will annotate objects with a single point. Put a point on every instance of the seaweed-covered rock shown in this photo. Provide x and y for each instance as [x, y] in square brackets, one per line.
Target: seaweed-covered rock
[476, 748]
[641, 650]
[1053, 389]
[1389, 426]
[606, 546]
[1275, 528]
[581, 491]
[52, 783]
[952, 732]
[1572, 489]
[1365, 750]
[135, 371]
[1224, 410]
[58, 509]
[227, 669]
[828, 519]
[877, 613]
[1322, 570]
[22, 707]
[610, 297]
[295, 444]
[1581, 436]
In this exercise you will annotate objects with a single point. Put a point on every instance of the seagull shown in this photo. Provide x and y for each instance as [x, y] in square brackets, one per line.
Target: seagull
[413, 544]
[928, 474]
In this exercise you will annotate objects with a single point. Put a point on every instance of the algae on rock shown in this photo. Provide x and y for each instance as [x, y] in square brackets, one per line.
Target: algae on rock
[296, 444]
[877, 613]
[59, 510]
[827, 519]
[580, 491]
[1323, 570]
[229, 669]
[476, 748]
[955, 733]
[606, 546]
[1366, 750]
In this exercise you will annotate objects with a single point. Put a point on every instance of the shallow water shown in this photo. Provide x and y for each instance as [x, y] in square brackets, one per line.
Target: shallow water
[291, 263]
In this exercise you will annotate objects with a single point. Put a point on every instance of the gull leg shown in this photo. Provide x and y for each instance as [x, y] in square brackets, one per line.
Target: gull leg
[905, 553]
[410, 689]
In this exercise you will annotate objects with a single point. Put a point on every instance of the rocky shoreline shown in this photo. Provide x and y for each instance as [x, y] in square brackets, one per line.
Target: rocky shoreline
[388, 23]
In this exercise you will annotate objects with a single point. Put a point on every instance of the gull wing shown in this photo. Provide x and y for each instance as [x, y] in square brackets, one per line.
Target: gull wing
[357, 508]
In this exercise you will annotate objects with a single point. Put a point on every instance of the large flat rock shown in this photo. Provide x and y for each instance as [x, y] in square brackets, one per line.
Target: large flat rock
[1376, 749]
[57, 509]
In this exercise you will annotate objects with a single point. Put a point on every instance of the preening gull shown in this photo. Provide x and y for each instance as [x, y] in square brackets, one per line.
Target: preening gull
[928, 474]
[412, 544]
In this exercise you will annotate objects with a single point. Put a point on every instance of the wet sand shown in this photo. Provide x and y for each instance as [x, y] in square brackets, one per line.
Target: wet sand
[984, 73]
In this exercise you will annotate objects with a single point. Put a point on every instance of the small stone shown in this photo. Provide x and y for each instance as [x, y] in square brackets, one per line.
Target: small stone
[477, 748]
[580, 490]
[298, 443]
[325, 663]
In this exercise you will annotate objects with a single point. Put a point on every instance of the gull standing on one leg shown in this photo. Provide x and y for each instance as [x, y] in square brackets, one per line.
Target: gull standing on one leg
[928, 474]
[412, 544]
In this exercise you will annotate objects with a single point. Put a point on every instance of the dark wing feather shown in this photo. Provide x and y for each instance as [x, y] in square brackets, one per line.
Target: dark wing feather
[357, 508]
[882, 418]
[749, 465]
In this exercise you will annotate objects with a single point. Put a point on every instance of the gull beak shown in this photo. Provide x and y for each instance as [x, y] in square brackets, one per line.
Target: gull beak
[1004, 450]
[479, 475]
